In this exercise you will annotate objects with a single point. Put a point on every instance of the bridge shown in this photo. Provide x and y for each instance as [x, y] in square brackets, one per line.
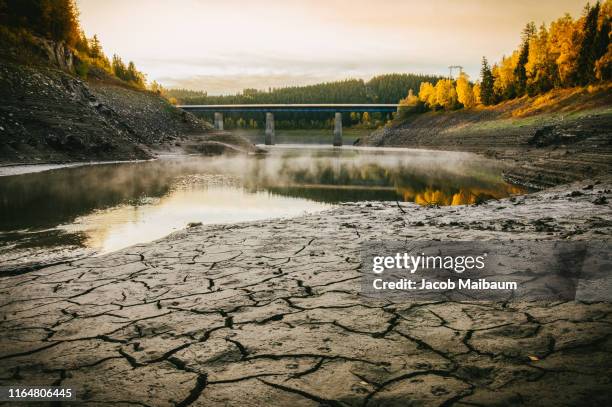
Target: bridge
[270, 109]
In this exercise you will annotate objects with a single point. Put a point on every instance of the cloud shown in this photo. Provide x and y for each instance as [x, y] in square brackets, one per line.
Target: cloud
[224, 46]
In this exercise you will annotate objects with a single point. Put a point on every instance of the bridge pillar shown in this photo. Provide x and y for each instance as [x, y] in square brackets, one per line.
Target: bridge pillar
[218, 121]
[269, 139]
[338, 130]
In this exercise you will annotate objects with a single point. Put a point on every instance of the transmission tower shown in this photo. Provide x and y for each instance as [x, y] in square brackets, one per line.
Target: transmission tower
[450, 70]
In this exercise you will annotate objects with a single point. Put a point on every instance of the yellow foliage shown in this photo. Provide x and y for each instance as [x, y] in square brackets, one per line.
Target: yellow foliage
[504, 73]
[410, 100]
[465, 94]
[476, 92]
[365, 119]
[446, 95]
[565, 37]
[540, 66]
[427, 94]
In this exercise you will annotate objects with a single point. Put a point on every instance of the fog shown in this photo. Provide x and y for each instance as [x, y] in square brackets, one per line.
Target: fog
[111, 206]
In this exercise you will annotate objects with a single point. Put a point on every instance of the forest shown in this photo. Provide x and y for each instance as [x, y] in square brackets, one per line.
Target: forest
[58, 20]
[388, 88]
[567, 53]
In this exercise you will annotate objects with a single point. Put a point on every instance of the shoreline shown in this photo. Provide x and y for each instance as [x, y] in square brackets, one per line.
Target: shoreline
[7, 170]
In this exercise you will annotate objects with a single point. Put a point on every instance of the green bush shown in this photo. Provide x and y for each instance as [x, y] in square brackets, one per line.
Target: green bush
[81, 68]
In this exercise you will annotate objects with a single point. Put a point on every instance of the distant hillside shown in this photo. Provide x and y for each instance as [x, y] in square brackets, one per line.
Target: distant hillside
[389, 88]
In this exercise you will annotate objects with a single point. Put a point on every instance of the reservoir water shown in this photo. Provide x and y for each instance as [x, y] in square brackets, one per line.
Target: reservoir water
[107, 207]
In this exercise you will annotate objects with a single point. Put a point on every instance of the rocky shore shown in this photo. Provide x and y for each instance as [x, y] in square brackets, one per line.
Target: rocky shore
[49, 116]
[271, 313]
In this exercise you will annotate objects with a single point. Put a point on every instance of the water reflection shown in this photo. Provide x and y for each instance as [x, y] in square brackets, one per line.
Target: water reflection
[107, 207]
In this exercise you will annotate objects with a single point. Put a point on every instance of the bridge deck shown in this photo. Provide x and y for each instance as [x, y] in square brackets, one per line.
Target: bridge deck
[273, 108]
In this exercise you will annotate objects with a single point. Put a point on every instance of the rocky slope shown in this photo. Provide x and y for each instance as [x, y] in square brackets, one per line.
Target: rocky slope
[569, 138]
[147, 114]
[50, 115]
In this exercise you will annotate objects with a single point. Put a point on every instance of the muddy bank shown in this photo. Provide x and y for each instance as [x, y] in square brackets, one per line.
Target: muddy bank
[569, 141]
[17, 169]
[270, 313]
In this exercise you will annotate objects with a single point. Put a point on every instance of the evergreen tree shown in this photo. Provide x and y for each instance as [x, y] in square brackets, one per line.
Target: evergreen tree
[62, 22]
[602, 42]
[82, 44]
[119, 68]
[585, 69]
[56, 20]
[487, 96]
[520, 71]
[134, 76]
[95, 49]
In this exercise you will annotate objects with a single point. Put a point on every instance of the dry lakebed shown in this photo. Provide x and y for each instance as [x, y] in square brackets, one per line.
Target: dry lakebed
[271, 313]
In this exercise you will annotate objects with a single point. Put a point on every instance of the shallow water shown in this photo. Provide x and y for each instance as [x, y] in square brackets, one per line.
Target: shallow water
[112, 206]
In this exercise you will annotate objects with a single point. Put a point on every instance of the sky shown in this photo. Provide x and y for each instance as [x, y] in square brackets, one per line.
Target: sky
[225, 46]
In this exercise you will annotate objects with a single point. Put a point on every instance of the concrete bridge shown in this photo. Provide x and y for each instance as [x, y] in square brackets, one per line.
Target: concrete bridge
[270, 109]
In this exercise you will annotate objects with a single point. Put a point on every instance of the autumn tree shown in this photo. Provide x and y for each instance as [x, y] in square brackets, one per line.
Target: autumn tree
[602, 41]
[365, 119]
[503, 74]
[465, 94]
[541, 69]
[476, 93]
[409, 104]
[410, 100]
[156, 87]
[446, 95]
[564, 43]
[603, 66]
[427, 94]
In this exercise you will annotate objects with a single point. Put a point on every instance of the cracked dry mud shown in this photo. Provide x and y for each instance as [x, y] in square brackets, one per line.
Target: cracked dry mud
[270, 313]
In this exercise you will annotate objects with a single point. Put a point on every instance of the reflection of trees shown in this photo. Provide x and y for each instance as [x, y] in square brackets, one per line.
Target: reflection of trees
[363, 181]
[460, 196]
[333, 195]
[47, 199]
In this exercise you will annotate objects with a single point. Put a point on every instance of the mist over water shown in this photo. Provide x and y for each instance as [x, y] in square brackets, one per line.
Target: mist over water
[112, 206]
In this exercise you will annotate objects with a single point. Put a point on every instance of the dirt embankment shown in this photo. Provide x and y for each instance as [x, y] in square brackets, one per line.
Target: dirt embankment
[552, 139]
[48, 115]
